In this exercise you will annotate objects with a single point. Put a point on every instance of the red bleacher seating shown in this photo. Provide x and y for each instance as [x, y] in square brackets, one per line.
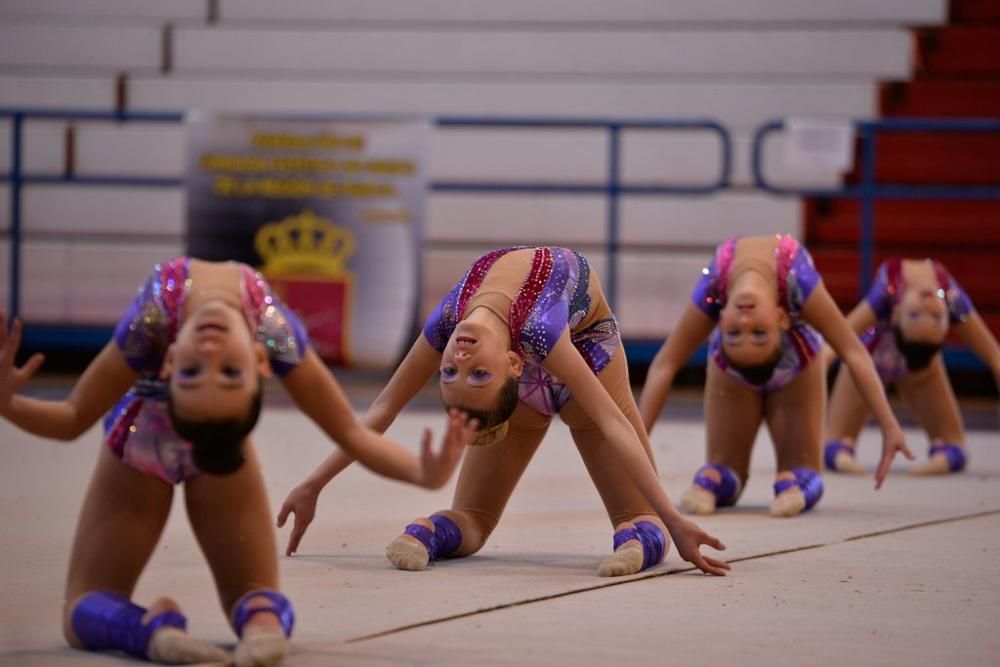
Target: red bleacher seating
[975, 11]
[907, 225]
[964, 99]
[957, 75]
[938, 159]
[958, 52]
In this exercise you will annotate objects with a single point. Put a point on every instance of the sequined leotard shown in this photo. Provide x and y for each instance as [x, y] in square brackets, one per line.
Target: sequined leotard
[138, 428]
[797, 278]
[883, 296]
[538, 292]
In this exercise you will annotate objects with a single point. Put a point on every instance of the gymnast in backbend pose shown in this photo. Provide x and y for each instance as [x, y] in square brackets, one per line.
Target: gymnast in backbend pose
[524, 335]
[764, 308]
[180, 385]
[903, 321]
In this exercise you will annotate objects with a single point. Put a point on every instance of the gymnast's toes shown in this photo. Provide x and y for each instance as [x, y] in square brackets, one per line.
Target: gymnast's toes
[788, 503]
[261, 647]
[698, 500]
[627, 560]
[173, 646]
[406, 553]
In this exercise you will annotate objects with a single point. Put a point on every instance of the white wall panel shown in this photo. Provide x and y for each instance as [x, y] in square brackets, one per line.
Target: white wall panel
[106, 9]
[739, 106]
[691, 222]
[33, 44]
[648, 157]
[874, 52]
[135, 149]
[600, 11]
[516, 220]
[653, 289]
[76, 210]
[84, 283]
[536, 155]
[32, 91]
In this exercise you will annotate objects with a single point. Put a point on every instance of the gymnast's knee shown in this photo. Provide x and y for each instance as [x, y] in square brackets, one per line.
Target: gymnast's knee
[475, 528]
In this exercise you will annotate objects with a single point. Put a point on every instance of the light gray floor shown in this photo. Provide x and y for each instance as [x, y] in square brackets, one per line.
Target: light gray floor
[906, 575]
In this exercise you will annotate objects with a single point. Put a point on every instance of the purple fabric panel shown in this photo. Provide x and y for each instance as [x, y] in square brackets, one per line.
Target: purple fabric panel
[726, 490]
[447, 536]
[808, 481]
[802, 278]
[549, 315]
[706, 295]
[879, 296]
[954, 454]
[959, 303]
[440, 324]
[106, 620]
[830, 451]
[280, 607]
[143, 331]
[654, 544]
[624, 535]
[423, 534]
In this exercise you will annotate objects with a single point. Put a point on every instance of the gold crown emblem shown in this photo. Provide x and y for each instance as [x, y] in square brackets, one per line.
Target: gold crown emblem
[304, 244]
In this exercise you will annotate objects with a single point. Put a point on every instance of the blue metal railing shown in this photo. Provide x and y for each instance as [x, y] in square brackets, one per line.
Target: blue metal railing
[612, 187]
[868, 190]
[18, 179]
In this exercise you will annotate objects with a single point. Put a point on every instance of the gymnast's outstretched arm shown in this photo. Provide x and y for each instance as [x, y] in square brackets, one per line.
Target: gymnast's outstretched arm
[565, 362]
[690, 332]
[821, 312]
[104, 381]
[419, 365]
[320, 397]
[859, 320]
[974, 333]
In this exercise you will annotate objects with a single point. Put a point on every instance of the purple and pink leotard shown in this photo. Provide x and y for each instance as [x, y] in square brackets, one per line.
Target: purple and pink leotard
[138, 428]
[555, 292]
[797, 278]
[883, 296]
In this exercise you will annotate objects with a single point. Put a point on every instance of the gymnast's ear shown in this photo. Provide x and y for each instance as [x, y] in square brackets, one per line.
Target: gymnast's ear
[263, 361]
[168, 363]
[516, 363]
[784, 321]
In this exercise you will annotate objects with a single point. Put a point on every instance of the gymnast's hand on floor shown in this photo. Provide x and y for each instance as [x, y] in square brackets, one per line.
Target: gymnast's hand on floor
[436, 467]
[13, 378]
[892, 442]
[688, 537]
[301, 502]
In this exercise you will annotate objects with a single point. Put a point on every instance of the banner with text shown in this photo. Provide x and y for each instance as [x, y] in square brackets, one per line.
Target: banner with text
[331, 212]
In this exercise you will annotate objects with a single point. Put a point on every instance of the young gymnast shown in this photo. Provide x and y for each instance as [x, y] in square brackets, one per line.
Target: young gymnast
[524, 335]
[903, 321]
[180, 384]
[764, 309]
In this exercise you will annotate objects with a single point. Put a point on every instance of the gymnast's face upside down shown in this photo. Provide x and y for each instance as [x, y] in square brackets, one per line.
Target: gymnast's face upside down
[479, 372]
[751, 323]
[922, 316]
[214, 366]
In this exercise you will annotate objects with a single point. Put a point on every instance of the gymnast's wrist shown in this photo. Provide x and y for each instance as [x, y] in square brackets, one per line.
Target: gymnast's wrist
[672, 519]
[314, 483]
[891, 430]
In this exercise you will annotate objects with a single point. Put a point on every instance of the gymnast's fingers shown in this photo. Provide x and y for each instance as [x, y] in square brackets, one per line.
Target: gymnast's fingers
[705, 566]
[713, 542]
